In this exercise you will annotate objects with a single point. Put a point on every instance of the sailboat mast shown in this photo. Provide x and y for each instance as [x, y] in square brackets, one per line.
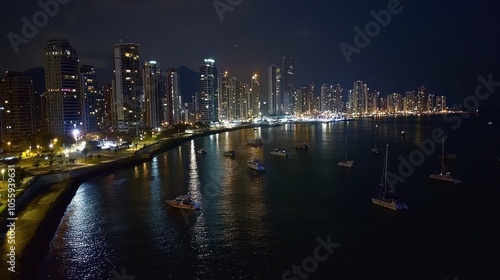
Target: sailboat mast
[386, 167]
[442, 158]
[376, 128]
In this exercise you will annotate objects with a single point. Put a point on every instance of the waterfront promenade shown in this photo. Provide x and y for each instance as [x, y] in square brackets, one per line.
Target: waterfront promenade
[43, 202]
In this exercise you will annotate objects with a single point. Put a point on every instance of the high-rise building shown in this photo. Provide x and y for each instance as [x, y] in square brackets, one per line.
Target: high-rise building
[288, 85]
[410, 102]
[430, 102]
[17, 107]
[61, 98]
[223, 88]
[372, 100]
[254, 97]
[234, 107]
[311, 100]
[274, 88]
[208, 92]
[394, 103]
[244, 95]
[104, 107]
[152, 83]
[421, 99]
[127, 86]
[326, 99]
[89, 95]
[358, 98]
[337, 99]
[301, 100]
[173, 97]
[440, 104]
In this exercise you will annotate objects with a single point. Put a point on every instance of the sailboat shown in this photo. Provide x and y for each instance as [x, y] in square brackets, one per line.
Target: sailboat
[386, 197]
[376, 149]
[345, 162]
[444, 176]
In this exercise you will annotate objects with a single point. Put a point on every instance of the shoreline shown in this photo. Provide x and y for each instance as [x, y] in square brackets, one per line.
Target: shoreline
[64, 186]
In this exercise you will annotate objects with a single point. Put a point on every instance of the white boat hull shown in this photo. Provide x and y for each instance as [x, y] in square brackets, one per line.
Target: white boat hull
[256, 167]
[390, 204]
[279, 154]
[445, 178]
[346, 163]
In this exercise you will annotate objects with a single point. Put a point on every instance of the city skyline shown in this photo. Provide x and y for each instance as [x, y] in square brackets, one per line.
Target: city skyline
[406, 53]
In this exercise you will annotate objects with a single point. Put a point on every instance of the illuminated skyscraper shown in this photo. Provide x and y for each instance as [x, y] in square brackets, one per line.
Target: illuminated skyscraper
[223, 88]
[127, 86]
[17, 107]
[254, 98]
[274, 87]
[89, 95]
[173, 97]
[208, 102]
[62, 98]
[288, 85]
[152, 82]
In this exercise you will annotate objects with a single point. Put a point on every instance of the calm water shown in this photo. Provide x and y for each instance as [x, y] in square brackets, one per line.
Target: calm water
[257, 225]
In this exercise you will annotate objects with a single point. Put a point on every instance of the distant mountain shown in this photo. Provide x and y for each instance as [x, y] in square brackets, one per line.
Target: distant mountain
[190, 83]
[38, 76]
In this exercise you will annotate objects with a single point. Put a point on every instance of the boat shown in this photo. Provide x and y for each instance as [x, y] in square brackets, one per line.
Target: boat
[444, 176]
[255, 164]
[346, 163]
[375, 149]
[255, 142]
[201, 151]
[302, 147]
[386, 197]
[278, 152]
[183, 202]
[229, 153]
[403, 133]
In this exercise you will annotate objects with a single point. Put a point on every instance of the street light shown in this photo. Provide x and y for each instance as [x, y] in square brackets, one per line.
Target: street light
[9, 146]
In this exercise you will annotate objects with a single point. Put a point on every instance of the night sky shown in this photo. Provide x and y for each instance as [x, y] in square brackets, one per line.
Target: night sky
[443, 46]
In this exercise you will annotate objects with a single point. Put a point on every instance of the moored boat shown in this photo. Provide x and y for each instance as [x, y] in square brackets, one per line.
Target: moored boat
[183, 202]
[255, 164]
[279, 152]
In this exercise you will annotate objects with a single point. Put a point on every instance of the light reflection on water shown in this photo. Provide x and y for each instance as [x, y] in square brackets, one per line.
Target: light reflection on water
[253, 225]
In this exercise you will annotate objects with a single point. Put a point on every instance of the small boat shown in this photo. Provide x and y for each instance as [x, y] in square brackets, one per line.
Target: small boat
[255, 164]
[201, 151]
[255, 142]
[280, 153]
[375, 149]
[386, 197]
[183, 202]
[403, 133]
[229, 153]
[444, 176]
[302, 147]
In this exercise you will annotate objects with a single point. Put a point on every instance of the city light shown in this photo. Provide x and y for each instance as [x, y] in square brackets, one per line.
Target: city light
[3, 174]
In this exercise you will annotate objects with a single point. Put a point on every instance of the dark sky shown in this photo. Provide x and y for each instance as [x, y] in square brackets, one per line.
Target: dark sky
[443, 45]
